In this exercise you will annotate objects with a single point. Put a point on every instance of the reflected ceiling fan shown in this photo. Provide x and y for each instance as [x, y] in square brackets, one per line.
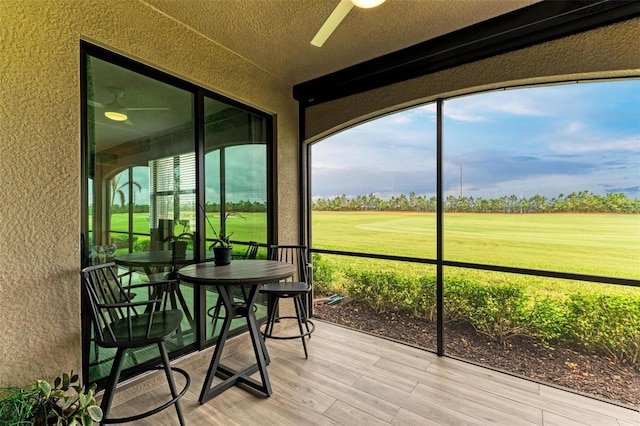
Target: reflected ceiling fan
[115, 111]
[338, 14]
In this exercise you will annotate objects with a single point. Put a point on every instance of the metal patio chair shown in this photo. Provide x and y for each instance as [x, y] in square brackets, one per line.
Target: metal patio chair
[123, 324]
[297, 288]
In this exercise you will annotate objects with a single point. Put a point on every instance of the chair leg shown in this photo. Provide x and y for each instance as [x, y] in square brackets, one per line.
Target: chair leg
[272, 309]
[112, 383]
[172, 386]
[299, 315]
[303, 309]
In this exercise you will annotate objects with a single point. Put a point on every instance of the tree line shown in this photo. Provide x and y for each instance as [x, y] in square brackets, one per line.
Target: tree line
[240, 206]
[575, 202]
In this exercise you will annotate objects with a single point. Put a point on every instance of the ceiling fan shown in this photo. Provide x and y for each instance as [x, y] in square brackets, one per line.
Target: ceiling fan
[115, 111]
[338, 14]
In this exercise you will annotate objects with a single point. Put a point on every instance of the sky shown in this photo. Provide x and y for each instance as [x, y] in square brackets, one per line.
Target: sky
[547, 141]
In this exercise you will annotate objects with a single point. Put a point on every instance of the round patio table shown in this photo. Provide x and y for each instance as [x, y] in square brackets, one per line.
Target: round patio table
[250, 274]
[156, 260]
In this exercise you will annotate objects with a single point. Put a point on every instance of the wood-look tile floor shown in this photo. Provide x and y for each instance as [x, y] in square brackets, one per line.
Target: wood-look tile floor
[353, 378]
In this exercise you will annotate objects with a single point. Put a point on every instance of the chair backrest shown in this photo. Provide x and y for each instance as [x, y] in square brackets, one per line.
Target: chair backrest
[110, 306]
[252, 250]
[294, 254]
[250, 253]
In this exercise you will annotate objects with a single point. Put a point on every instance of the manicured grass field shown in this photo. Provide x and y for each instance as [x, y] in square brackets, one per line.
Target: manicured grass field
[244, 228]
[597, 244]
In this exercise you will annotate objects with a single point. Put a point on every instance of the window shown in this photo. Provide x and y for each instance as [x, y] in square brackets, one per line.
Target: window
[539, 189]
[551, 175]
[143, 185]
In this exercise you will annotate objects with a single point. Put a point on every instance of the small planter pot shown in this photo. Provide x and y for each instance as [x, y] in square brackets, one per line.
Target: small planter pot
[180, 248]
[222, 255]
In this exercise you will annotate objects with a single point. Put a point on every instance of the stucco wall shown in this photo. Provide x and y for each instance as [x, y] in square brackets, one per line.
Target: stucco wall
[40, 159]
[604, 52]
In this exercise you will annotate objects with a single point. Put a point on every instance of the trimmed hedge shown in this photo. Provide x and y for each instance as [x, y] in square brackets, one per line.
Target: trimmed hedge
[597, 323]
[608, 324]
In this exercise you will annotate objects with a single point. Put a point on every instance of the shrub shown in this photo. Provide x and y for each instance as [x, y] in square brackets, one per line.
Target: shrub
[375, 288]
[600, 323]
[122, 240]
[457, 303]
[549, 320]
[421, 297]
[500, 310]
[607, 324]
[142, 245]
[389, 291]
[323, 273]
[497, 310]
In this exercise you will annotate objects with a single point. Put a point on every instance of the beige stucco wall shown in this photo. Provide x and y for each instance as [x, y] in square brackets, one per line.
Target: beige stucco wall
[40, 156]
[610, 51]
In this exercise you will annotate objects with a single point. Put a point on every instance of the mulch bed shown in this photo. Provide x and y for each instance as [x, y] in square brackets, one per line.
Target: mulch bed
[584, 373]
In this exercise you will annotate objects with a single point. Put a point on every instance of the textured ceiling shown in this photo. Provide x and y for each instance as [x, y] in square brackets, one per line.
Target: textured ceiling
[275, 35]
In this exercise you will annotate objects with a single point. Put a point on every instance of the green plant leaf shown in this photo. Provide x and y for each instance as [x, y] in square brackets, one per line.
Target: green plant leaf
[95, 412]
[45, 388]
[84, 400]
[65, 381]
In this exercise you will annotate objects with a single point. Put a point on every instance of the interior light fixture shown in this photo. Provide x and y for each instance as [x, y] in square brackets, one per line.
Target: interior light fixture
[367, 4]
[114, 111]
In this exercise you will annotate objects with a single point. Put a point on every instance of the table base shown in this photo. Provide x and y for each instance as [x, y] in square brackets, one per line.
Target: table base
[229, 376]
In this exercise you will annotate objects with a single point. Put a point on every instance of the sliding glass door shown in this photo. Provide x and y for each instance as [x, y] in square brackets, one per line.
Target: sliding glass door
[154, 162]
[235, 164]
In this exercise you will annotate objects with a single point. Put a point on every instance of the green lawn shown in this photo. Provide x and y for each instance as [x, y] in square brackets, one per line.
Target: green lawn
[598, 244]
[249, 227]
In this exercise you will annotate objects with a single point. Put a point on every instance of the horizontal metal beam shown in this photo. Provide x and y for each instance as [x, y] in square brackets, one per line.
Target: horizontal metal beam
[485, 267]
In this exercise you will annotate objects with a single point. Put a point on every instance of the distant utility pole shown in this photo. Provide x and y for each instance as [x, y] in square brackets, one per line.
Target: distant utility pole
[461, 180]
[392, 187]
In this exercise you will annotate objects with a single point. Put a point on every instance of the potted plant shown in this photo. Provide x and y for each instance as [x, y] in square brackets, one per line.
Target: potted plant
[181, 242]
[65, 404]
[221, 246]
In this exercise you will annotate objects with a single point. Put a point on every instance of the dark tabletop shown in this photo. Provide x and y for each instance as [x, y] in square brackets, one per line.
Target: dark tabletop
[238, 272]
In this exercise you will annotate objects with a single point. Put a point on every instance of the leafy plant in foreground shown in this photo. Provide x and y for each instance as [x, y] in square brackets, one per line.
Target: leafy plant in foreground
[65, 404]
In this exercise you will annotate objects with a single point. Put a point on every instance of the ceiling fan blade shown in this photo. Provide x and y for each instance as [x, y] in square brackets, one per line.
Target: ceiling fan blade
[332, 22]
[95, 104]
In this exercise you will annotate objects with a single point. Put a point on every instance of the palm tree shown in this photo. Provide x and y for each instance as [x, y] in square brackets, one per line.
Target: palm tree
[119, 190]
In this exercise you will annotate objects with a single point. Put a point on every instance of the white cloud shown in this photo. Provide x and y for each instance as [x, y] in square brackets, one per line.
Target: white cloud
[400, 119]
[481, 108]
[575, 127]
[597, 144]
[463, 114]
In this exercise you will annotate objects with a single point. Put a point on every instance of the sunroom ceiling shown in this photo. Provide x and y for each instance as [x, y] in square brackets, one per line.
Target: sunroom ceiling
[275, 35]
